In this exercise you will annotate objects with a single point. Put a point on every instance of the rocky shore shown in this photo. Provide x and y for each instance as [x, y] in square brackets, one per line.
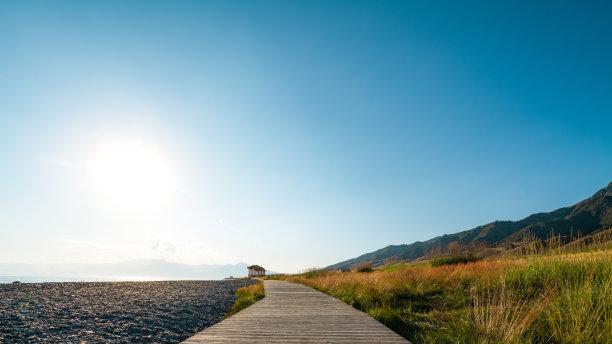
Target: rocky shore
[117, 312]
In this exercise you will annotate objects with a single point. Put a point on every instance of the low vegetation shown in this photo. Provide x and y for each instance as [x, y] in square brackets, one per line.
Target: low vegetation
[363, 267]
[551, 294]
[247, 296]
[454, 259]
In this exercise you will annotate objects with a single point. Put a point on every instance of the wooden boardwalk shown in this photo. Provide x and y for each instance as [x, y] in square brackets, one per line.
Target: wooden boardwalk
[294, 313]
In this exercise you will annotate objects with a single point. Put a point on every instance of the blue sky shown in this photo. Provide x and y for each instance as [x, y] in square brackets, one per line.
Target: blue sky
[298, 133]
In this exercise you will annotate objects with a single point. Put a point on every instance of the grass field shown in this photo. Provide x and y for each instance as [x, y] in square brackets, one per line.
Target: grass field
[553, 297]
[247, 296]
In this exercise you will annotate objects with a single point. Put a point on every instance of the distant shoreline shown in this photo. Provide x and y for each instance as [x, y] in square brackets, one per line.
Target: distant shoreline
[58, 279]
[50, 279]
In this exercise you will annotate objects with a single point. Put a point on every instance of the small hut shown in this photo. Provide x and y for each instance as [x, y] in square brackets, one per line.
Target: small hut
[256, 271]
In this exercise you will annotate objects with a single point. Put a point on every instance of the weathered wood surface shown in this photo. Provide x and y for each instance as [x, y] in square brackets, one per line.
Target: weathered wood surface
[294, 313]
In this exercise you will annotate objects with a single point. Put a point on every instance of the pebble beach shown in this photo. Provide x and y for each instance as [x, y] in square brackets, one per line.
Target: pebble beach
[115, 312]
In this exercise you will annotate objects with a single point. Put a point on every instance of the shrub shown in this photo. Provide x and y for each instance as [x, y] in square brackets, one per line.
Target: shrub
[454, 259]
[363, 267]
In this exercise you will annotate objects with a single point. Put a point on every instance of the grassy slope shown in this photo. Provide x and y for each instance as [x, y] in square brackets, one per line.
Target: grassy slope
[554, 298]
[583, 218]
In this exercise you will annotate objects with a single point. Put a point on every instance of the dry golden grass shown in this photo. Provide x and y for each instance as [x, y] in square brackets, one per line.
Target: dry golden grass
[449, 275]
[547, 298]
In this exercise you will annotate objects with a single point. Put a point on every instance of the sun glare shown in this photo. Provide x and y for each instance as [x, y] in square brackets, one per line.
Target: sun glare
[132, 175]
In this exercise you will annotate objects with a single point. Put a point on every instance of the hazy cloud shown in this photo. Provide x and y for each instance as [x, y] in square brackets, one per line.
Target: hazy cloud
[60, 162]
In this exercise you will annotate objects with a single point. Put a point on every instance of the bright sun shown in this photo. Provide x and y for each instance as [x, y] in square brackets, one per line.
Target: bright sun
[132, 175]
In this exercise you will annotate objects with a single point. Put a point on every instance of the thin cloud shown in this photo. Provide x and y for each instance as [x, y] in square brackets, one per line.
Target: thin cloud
[60, 162]
[84, 243]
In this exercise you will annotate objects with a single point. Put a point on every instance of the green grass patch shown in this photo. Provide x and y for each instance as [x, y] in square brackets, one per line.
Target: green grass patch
[275, 277]
[247, 296]
[453, 260]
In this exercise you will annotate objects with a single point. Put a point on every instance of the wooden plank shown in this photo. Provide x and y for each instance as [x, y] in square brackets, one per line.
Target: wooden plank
[294, 313]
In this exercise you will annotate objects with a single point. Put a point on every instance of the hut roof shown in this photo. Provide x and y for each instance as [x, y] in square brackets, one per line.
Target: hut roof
[256, 268]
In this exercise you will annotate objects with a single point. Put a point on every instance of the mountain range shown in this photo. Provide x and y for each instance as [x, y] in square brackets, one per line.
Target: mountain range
[147, 269]
[584, 218]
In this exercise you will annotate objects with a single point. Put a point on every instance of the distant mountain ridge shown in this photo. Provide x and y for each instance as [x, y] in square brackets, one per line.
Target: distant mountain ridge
[584, 217]
[127, 270]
